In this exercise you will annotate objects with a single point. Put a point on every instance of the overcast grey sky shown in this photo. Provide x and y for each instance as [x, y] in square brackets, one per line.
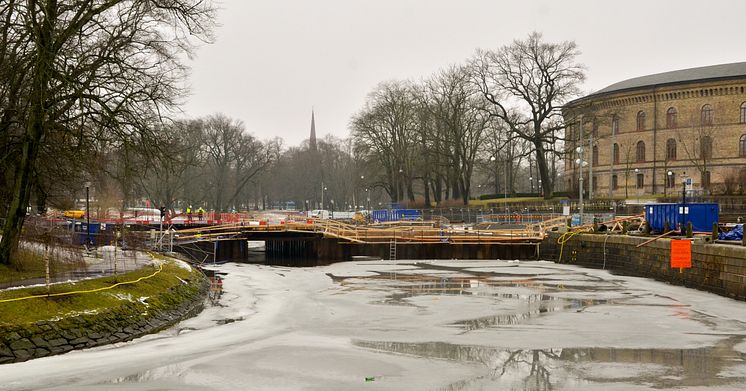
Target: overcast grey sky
[275, 59]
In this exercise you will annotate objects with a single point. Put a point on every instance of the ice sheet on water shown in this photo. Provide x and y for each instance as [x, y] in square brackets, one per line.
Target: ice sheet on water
[298, 327]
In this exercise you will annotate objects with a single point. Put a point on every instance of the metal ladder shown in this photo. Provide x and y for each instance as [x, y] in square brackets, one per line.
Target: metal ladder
[392, 250]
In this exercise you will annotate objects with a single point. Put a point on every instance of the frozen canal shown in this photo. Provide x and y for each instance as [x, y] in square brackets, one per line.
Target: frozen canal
[444, 325]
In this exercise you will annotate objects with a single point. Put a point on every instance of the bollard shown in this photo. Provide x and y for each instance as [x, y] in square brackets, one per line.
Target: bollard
[714, 232]
[689, 230]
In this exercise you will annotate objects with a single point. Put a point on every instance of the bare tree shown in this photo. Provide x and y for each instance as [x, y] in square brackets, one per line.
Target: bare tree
[697, 145]
[385, 132]
[166, 177]
[107, 66]
[234, 158]
[459, 115]
[532, 78]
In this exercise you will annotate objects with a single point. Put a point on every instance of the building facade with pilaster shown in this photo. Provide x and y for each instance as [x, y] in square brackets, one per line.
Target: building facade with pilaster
[649, 134]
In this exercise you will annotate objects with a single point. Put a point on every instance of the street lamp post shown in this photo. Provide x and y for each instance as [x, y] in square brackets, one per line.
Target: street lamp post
[87, 214]
[669, 176]
[637, 186]
[581, 163]
[354, 191]
[332, 202]
[493, 159]
[322, 194]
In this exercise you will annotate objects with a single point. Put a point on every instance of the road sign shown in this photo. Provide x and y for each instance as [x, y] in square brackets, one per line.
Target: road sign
[681, 254]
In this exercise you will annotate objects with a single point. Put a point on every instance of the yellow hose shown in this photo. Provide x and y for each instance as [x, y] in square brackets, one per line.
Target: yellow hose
[85, 291]
[562, 240]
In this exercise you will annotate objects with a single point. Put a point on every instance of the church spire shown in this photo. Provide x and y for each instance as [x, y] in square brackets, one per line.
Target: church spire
[312, 139]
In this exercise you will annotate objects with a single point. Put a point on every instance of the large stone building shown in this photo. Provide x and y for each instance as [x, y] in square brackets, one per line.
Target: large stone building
[649, 134]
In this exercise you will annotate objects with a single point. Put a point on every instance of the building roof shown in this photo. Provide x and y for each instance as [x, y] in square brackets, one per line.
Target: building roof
[712, 72]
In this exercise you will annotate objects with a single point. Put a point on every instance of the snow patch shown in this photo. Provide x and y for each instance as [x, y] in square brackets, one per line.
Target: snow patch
[124, 296]
[73, 314]
[182, 265]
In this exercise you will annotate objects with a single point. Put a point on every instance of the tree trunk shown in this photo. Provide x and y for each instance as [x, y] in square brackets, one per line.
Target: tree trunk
[426, 184]
[438, 189]
[31, 142]
[543, 167]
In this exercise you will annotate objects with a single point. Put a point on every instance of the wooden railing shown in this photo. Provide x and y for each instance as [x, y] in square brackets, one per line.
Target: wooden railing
[405, 233]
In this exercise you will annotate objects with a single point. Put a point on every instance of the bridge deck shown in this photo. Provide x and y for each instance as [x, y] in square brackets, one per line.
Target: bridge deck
[419, 233]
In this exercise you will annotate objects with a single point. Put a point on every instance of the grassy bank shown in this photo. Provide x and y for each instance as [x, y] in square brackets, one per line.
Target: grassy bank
[28, 264]
[148, 293]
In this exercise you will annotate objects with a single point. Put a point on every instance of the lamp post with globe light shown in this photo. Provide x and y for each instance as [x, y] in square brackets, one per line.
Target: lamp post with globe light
[669, 182]
[637, 184]
[581, 163]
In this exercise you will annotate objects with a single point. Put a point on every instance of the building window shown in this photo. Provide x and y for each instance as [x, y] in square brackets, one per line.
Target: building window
[640, 151]
[640, 180]
[615, 153]
[615, 125]
[671, 118]
[595, 155]
[743, 112]
[614, 182]
[706, 118]
[742, 146]
[641, 120]
[594, 187]
[670, 180]
[705, 148]
[670, 149]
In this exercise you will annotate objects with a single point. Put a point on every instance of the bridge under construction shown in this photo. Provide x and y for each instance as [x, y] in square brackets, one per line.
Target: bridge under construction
[325, 241]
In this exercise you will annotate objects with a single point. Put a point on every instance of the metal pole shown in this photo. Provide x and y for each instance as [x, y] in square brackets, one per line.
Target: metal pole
[683, 204]
[87, 215]
[590, 169]
[580, 168]
[160, 234]
[506, 188]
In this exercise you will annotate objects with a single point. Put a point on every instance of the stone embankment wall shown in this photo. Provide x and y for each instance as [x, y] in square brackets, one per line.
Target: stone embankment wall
[716, 268]
[119, 324]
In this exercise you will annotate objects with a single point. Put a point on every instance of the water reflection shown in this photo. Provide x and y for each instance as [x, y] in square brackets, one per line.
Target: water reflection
[546, 369]
[533, 296]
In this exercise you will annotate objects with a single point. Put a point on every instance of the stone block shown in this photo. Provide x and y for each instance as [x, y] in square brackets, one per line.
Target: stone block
[5, 351]
[21, 344]
[22, 355]
[40, 342]
[94, 335]
[12, 336]
[58, 342]
[79, 340]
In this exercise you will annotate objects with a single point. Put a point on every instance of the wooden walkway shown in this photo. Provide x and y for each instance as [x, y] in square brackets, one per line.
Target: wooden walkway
[419, 232]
